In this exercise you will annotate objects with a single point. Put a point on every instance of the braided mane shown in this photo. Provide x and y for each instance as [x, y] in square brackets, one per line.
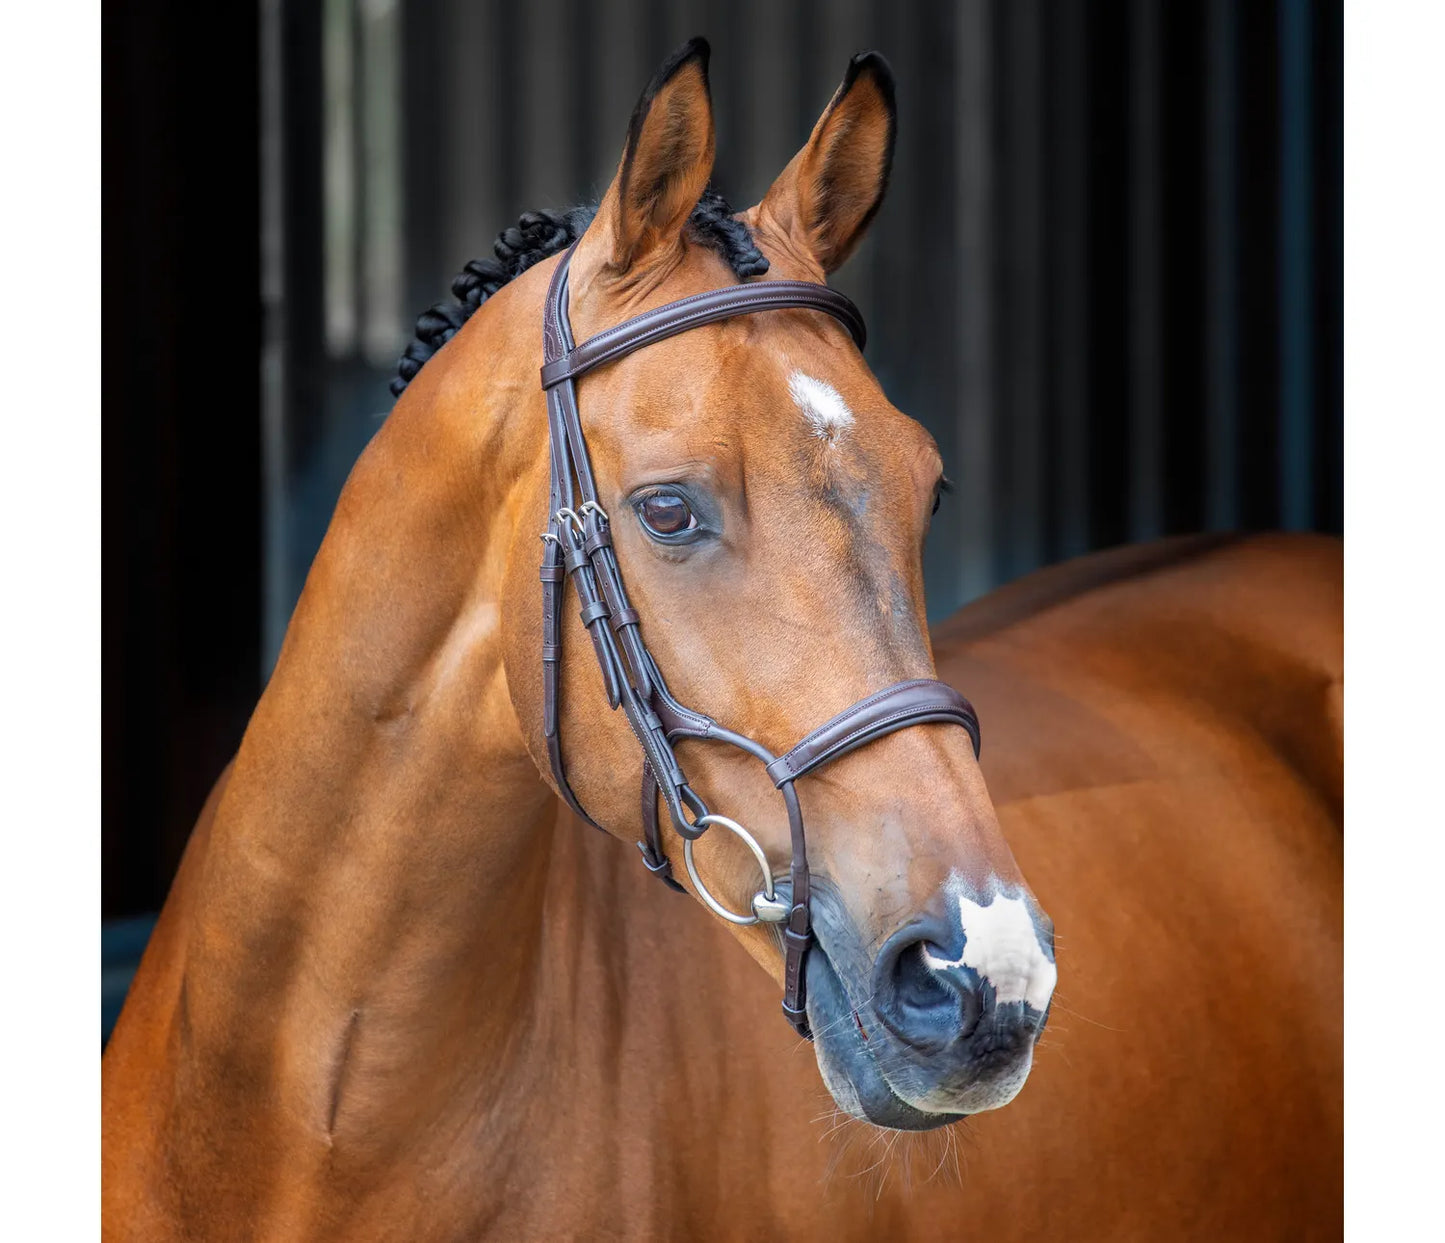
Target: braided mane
[540, 234]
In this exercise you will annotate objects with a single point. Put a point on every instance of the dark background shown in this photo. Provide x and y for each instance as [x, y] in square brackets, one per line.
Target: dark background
[1107, 278]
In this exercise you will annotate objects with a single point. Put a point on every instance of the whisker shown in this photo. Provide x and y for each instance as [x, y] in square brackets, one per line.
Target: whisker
[1076, 1014]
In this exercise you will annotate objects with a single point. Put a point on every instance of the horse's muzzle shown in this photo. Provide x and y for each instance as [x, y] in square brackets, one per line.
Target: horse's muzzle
[947, 1023]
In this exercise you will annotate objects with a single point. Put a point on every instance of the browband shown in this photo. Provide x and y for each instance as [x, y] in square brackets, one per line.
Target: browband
[703, 308]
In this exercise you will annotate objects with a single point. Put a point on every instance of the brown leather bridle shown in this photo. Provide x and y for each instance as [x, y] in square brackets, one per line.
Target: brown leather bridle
[578, 545]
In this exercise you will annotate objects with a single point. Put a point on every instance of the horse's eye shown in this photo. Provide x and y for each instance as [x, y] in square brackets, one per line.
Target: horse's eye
[666, 515]
[945, 484]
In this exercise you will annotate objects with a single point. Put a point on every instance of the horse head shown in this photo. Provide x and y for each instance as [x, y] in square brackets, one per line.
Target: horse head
[768, 510]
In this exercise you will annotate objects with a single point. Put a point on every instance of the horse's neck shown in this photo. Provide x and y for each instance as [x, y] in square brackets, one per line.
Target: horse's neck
[375, 870]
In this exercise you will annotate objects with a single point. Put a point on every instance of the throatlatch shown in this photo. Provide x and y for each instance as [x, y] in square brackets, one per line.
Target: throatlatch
[578, 546]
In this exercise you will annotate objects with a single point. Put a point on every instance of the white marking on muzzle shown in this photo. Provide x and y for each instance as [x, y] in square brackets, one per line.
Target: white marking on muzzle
[1002, 945]
[822, 405]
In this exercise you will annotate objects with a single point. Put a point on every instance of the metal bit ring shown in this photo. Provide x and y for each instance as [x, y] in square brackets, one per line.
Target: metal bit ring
[767, 907]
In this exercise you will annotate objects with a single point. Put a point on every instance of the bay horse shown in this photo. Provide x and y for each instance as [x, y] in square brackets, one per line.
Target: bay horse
[400, 991]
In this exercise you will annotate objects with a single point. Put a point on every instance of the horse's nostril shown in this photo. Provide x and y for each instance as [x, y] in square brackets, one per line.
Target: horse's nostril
[914, 983]
[924, 998]
[959, 982]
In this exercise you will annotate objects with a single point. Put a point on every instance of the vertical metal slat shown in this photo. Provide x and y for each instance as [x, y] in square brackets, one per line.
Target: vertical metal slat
[973, 502]
[1296, 292]
[1069, 272]
[1221, 269]
[1146, 295]
[1020, 341]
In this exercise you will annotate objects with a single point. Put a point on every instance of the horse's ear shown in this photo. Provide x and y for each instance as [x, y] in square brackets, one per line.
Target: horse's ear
[666, 164]
[827, 196]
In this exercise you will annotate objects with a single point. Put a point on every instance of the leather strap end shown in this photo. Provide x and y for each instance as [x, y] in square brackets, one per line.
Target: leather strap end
[613, 680]
[607, 662]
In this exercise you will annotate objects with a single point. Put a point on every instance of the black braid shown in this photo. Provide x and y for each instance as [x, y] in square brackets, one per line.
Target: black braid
[535, 237]
[713, 224]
